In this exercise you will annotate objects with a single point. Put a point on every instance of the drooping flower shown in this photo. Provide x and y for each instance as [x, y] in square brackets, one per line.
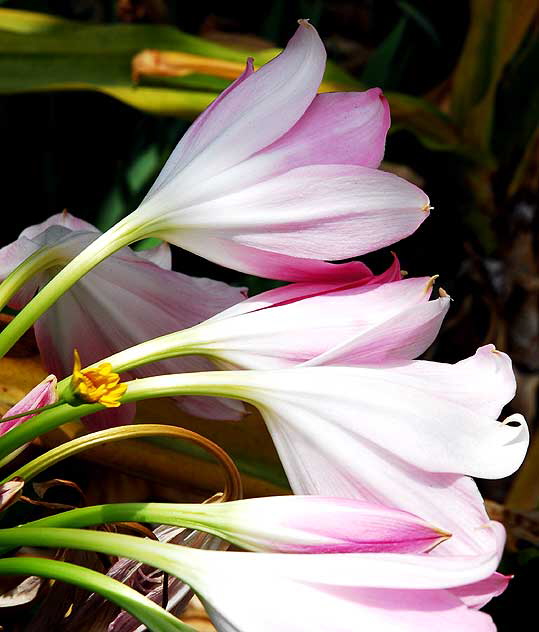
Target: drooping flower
[342, 324]
[127, 299]
[273, 179]
[391, 592]
[44, 394]
[404, 435]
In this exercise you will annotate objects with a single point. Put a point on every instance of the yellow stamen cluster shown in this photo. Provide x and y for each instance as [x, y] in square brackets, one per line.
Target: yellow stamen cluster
[96, 385]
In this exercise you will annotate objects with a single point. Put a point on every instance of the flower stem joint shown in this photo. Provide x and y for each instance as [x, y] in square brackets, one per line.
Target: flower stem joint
[96, 385]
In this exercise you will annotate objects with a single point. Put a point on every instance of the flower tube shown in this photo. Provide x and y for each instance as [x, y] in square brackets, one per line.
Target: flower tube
[333, 591]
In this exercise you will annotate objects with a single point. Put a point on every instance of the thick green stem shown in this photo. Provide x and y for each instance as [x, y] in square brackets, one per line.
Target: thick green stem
[98, 250]
[150, 614]
[216, 383]
[177, 560]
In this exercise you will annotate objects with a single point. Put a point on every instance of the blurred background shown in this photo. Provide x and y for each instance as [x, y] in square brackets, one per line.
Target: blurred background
[89, 113]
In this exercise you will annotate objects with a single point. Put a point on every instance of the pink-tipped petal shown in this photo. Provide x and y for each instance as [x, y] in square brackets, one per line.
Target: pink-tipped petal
[230, 131]
[340, 592]
[299, 291]
[41, 395]
[345, 128]
[312, 608]
[341, 128]
[354, 324]
[316, 524]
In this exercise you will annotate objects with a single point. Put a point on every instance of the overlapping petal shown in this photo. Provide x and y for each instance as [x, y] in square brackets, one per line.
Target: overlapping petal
[342, 592]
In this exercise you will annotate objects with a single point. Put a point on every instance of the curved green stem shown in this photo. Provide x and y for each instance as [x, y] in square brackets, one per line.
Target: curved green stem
[216, 383]
[150, 614]
[232, 489]
[102, 247]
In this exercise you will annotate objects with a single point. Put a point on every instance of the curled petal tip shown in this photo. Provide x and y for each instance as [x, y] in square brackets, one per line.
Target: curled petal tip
[305, 23]
[443, 294]
[427, 208]
[515, 420]
[404, 273]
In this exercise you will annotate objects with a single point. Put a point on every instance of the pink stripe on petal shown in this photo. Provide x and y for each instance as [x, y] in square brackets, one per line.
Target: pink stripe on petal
[41, 395]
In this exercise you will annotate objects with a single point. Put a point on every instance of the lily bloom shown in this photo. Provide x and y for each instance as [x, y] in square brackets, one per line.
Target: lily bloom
[271, 168]
[283, 524]
[391, 592]
[341, 592]
[351, 324]
[403, 435]
[130, 297]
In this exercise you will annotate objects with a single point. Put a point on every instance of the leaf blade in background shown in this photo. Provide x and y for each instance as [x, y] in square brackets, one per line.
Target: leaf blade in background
[496, 31]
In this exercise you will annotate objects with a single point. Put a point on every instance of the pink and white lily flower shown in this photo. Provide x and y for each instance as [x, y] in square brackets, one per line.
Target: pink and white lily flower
[271, 168]
[130, 297]
[404, 435]
[373, 321]
[349, 325]
[386, 592]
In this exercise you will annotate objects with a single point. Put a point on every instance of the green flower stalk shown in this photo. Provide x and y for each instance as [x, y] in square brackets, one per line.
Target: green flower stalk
[150, 614]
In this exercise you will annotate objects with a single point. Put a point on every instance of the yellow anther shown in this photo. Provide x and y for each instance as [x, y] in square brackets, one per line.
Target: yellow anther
[430, 283]
[96, 385]
[427, 208]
